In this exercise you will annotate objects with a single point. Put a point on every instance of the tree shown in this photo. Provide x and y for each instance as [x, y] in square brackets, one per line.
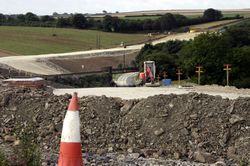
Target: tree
[55, 14]
[165, 56]
[107, 23]
[2, 18]
[238, 36]
[181, 20]
[30, 17]
[47, 18]
[209, 50]
[172, 46]
[156, 25]
[240, 60]
[167, 22]
[79, 21]
[21, 18]
[123, 26]
[212, 15]
[147, 24]
[11, 19]
[63, 22]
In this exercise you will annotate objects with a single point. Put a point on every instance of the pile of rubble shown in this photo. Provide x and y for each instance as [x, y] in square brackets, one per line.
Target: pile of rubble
[190, 127]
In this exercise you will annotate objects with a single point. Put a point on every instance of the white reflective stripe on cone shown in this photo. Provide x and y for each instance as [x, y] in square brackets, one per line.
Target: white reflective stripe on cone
[71, 127]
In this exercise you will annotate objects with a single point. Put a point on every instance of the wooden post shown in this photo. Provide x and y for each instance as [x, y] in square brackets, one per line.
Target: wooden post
[158, 78]
[124, 54]
[165, 75]
[98, 41]
[179, 73]
[227, 68]
[199, 71]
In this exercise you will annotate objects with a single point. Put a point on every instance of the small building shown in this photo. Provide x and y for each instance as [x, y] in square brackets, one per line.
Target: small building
[36, 82]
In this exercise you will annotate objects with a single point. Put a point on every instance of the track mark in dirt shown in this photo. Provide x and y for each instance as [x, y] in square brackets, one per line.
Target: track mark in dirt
[4, 53]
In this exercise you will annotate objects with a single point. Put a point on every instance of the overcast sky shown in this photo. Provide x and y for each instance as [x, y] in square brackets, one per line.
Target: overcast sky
[97, 6]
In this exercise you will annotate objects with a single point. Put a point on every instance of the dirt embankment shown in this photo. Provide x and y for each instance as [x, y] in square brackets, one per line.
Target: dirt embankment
[4, 53]
[193, 126]
[91, 64]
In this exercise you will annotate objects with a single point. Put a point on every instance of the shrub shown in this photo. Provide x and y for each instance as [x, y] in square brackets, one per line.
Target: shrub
[27, 152]
[3, 160]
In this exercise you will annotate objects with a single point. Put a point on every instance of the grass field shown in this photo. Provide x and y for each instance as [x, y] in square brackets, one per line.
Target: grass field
[32, 40]
[231, 14]
[188, 15]
[211, 24]
[144, 17]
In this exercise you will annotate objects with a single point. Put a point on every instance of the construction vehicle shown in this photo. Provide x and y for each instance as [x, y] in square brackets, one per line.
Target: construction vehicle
[148, 76]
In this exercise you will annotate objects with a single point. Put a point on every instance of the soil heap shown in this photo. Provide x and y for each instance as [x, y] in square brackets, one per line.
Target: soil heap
[194, 127]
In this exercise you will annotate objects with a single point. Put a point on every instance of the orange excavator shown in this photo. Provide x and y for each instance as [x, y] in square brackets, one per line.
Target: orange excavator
[148, 77]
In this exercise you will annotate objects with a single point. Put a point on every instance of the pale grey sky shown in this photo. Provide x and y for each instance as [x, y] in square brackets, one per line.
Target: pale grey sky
[97, 6]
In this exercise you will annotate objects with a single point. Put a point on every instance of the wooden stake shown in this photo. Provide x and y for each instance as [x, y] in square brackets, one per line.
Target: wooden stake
[227, 68]
[179, 73]
[165, 75]
[158, 78]
[199, 71]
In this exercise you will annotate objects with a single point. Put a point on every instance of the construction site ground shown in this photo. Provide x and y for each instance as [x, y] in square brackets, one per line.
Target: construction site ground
[144, 92]
[94, 63]
[163, 129]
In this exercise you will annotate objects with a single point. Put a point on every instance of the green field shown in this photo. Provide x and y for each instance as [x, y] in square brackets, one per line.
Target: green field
[35, 40]
[144, 17]
[141, 17]
[188, 15]
[232, 14]
[212, 24]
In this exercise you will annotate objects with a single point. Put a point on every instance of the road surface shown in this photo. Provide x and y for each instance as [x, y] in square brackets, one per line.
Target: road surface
[35, 63]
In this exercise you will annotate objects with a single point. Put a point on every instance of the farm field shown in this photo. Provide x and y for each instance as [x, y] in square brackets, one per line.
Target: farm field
[212, 24]
[231, 14]
[36, 40]
[157, 14]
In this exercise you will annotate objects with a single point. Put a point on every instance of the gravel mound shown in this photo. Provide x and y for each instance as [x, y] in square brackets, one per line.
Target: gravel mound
[190, 127]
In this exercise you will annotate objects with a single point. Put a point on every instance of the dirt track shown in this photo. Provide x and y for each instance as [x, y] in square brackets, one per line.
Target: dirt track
[6, 53]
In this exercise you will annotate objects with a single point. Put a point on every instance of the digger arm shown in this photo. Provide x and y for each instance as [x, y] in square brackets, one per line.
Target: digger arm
[149, 72]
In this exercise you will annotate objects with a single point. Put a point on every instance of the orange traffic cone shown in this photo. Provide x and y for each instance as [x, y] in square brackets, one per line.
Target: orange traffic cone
[71, 148]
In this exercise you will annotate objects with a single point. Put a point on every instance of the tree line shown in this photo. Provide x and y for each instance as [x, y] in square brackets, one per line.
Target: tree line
[166, 22]
[210, 50]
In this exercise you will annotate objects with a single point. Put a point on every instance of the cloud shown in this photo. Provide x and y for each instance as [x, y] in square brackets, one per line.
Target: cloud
[94, 6]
